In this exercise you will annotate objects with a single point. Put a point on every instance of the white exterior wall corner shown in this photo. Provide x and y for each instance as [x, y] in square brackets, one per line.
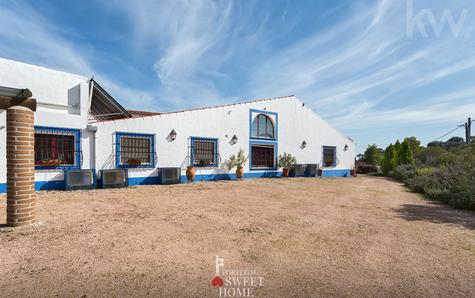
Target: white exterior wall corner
[63, 102]
[296, 123]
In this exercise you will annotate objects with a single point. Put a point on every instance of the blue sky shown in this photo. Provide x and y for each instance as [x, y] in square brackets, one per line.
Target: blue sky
[377, 70]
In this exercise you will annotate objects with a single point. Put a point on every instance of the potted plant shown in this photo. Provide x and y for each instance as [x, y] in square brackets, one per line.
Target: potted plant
[190, 173]
[237, 160]
[286, 161]
[134, 162]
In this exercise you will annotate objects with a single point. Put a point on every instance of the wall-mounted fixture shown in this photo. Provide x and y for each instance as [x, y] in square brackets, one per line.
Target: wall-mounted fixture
[345, 148]
[304, 144]
[234, 140]
[172, 135]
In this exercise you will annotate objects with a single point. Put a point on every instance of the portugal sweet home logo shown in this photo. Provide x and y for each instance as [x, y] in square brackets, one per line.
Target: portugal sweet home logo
[235, 282]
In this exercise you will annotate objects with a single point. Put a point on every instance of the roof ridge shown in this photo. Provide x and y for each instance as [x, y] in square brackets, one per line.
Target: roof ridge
[210, 107]
[230, 104]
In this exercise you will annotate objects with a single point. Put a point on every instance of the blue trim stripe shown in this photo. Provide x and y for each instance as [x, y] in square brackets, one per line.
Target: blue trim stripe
[50, 185]
[60, 185]
[336, 173]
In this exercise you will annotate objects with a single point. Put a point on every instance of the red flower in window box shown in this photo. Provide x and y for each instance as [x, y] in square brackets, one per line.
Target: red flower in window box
[51, 162]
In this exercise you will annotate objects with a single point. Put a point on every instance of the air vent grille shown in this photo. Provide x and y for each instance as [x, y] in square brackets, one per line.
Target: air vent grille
[79, 179]
[114, 178]
[170, 175]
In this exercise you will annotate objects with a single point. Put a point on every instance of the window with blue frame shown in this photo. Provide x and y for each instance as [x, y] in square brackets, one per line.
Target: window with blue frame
[135, 150]
[263, 127]
[57, 148]
[329, 156]
[204, 152]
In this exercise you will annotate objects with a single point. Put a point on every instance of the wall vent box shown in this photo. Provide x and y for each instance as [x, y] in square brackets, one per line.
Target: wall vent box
[297, 171]
[311, 170]
[169, 175]
[79, 179]
[114, 178]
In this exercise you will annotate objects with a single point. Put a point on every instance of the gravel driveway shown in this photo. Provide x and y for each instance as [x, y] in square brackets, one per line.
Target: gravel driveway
[302, 237]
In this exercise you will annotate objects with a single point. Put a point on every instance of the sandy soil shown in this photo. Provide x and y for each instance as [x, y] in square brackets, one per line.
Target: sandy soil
[365, 236]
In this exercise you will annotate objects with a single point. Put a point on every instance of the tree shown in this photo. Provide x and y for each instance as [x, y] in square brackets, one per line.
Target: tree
[404, 155]
[454, 142]
[387, 164]
[397, 145]
[373, 155]
[436, 144]
[414, 144]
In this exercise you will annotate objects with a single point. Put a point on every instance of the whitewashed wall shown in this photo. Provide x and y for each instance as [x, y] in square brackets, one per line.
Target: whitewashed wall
[63, 101]
[295, 124]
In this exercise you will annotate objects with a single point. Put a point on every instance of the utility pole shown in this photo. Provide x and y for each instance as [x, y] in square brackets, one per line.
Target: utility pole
[468, 131]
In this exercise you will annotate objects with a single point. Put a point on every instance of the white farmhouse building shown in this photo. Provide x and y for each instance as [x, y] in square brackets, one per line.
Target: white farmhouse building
[78, 125]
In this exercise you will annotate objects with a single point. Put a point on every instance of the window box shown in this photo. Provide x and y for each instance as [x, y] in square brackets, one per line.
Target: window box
[135, 150]
[57, 148]
[204, 152]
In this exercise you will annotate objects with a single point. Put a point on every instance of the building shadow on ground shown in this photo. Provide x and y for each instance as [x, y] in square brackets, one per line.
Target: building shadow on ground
[437, 213]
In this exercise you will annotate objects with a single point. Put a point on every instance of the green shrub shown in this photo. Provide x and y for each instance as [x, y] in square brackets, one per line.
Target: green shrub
[418, 182]
[442, 173]
[404, 172]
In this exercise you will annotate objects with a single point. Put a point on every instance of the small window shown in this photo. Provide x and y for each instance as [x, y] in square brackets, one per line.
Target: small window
[135, 150]
[204, 152]
[57, 147]
[263, 156]
[262, 127]
[329, 156]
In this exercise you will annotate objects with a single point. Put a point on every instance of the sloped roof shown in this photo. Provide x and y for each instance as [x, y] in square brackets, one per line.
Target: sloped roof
[104, 106]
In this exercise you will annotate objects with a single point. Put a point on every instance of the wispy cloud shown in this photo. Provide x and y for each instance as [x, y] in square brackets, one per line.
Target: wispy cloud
[353, 62]
[35, 39]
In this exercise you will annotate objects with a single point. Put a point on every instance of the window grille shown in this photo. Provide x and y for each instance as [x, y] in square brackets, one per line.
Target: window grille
[329, 156]
[57, 147]
[263, 156]
[135, 150]
[204, 152]
[263, 127]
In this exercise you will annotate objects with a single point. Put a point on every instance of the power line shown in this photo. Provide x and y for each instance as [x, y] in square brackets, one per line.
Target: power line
[458, 126]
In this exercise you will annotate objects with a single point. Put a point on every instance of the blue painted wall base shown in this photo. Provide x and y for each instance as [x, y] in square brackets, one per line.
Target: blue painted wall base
[60, 185]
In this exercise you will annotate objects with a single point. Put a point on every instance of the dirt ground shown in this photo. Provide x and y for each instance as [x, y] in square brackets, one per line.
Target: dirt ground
[303, 237]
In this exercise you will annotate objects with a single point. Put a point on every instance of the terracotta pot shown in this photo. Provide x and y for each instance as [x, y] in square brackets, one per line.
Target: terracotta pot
[190, 173]
[285, 172]
[239, 172]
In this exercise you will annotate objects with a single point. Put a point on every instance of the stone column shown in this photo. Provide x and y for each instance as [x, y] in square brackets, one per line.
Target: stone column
[20, 166]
